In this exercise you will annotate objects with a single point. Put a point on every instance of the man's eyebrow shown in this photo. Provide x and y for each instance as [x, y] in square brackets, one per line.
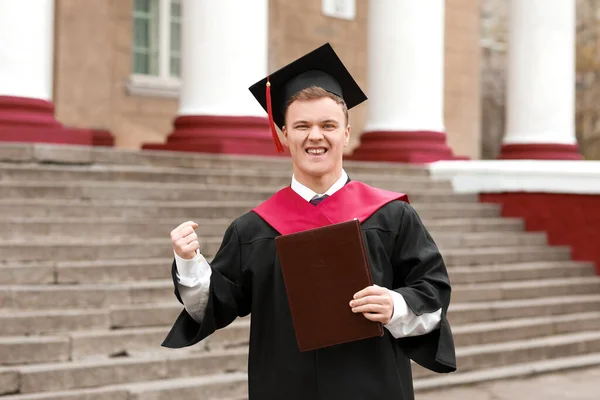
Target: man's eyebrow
[329, 120]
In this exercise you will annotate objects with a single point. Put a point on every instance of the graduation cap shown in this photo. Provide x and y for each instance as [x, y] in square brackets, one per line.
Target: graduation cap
[321, 67]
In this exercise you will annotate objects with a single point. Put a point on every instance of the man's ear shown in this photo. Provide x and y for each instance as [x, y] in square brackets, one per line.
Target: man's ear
[284, 134]
[347, 135]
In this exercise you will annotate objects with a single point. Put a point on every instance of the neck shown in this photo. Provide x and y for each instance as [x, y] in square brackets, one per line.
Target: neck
[318, 184]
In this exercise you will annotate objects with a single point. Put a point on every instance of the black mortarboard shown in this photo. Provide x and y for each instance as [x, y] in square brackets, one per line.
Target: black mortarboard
[321, 67]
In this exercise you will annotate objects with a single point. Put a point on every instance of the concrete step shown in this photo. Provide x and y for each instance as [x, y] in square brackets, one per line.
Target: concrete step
[61, 250]
[204, 387]
[93, 374]
[520, 371]
[475, 224]
[84, 155]
[117, 248]
[103, 228]
[116, 343]
[450, 240]
[163, 314]
[128, 270]
[136, 315]
[512, 290]
[468, 250]
[46, 297]
[217, 386]
[505, 255]
[16, 350]
[68, 232]
[83, 374]
[112, 227]
[171, 176]
[514, 352]
[142, 191]
[29, 208]
[27, 323]
[114, 271]
[144, 315]
[113, 393]
[521, 271]
[524, 328]
[17, 273]
[67, 226]
[86, 344]
[147, 191]
[467, 313]
[52, 321]
[86, 271]
[103, 295]
[520, 351]
[136, 341]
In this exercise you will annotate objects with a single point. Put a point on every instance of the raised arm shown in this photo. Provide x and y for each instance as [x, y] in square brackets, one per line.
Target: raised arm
[227, 296]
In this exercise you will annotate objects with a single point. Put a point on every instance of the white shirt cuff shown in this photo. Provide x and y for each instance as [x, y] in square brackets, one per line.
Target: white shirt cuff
[405, 323]
[193, 272]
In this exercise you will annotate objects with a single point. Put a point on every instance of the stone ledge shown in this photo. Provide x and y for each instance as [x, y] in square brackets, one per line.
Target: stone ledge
[533, 176]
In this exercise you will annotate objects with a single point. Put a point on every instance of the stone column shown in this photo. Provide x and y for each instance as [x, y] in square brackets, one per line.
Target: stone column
[224, 51]
[405, 118]
[541, 81]
[26, 75]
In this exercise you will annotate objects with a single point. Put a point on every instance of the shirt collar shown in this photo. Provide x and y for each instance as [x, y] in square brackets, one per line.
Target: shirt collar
[307, 194]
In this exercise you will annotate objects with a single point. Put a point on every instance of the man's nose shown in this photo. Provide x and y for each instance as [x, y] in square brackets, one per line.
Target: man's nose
[315, 133]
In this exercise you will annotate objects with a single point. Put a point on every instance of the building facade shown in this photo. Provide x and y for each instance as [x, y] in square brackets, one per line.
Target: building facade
[174, 73]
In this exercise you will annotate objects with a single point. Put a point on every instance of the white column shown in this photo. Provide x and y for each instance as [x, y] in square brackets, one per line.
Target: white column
[26, 48]
[541, 72]
[406, 65]
[224, 51]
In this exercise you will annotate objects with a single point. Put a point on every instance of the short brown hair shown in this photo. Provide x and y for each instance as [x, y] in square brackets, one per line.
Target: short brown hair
[314, 93]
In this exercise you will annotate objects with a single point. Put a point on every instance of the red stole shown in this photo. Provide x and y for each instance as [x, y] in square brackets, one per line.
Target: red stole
[288, 213]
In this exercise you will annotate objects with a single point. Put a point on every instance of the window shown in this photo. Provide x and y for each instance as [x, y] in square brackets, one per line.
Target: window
[343, 9]
[175, 49]
[156, 55]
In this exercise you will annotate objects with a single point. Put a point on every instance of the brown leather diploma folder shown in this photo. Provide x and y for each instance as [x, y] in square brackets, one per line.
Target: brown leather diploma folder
[323, 268]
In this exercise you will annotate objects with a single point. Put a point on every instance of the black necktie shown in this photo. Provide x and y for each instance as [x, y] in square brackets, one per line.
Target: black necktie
[316, 200]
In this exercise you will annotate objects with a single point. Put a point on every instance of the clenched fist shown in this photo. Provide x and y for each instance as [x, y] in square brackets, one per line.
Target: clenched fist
[185, 241]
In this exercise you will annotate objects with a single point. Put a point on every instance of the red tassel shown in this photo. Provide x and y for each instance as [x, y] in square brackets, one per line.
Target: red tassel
[271, 123]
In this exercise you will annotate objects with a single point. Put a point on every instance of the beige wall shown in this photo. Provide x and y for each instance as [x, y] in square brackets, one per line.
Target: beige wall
[93, 64]
[462, 77]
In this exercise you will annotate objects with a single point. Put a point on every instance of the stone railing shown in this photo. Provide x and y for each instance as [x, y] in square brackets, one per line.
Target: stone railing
[561, 198]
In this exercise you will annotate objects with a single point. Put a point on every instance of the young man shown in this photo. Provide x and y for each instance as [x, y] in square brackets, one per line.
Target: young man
[309, 101]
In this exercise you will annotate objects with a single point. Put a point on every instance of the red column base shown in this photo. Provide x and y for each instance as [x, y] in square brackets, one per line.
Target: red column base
[102, 137]
[419, 147]
[568, 219]
[27, 120]
[220, 134]
[540, 151]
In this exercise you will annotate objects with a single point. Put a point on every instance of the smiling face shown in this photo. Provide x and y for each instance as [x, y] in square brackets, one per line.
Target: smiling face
[316, 132]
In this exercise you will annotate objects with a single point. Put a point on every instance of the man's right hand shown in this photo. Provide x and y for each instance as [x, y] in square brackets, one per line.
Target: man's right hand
[185, 241]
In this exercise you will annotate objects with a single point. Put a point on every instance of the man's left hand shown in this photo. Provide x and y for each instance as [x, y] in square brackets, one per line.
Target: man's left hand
[375, 303]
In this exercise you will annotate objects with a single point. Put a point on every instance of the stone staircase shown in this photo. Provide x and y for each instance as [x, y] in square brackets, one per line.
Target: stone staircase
[86, 299]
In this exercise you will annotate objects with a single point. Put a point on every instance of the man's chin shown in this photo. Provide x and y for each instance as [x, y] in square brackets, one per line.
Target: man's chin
[317, 171]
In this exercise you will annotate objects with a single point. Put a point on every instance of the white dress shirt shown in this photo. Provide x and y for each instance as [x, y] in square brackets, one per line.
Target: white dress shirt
[193, 283]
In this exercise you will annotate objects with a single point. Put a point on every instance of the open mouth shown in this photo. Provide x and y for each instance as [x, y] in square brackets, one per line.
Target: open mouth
[316, 151]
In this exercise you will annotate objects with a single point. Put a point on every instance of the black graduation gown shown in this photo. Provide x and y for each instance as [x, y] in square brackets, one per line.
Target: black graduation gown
[246, 278]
